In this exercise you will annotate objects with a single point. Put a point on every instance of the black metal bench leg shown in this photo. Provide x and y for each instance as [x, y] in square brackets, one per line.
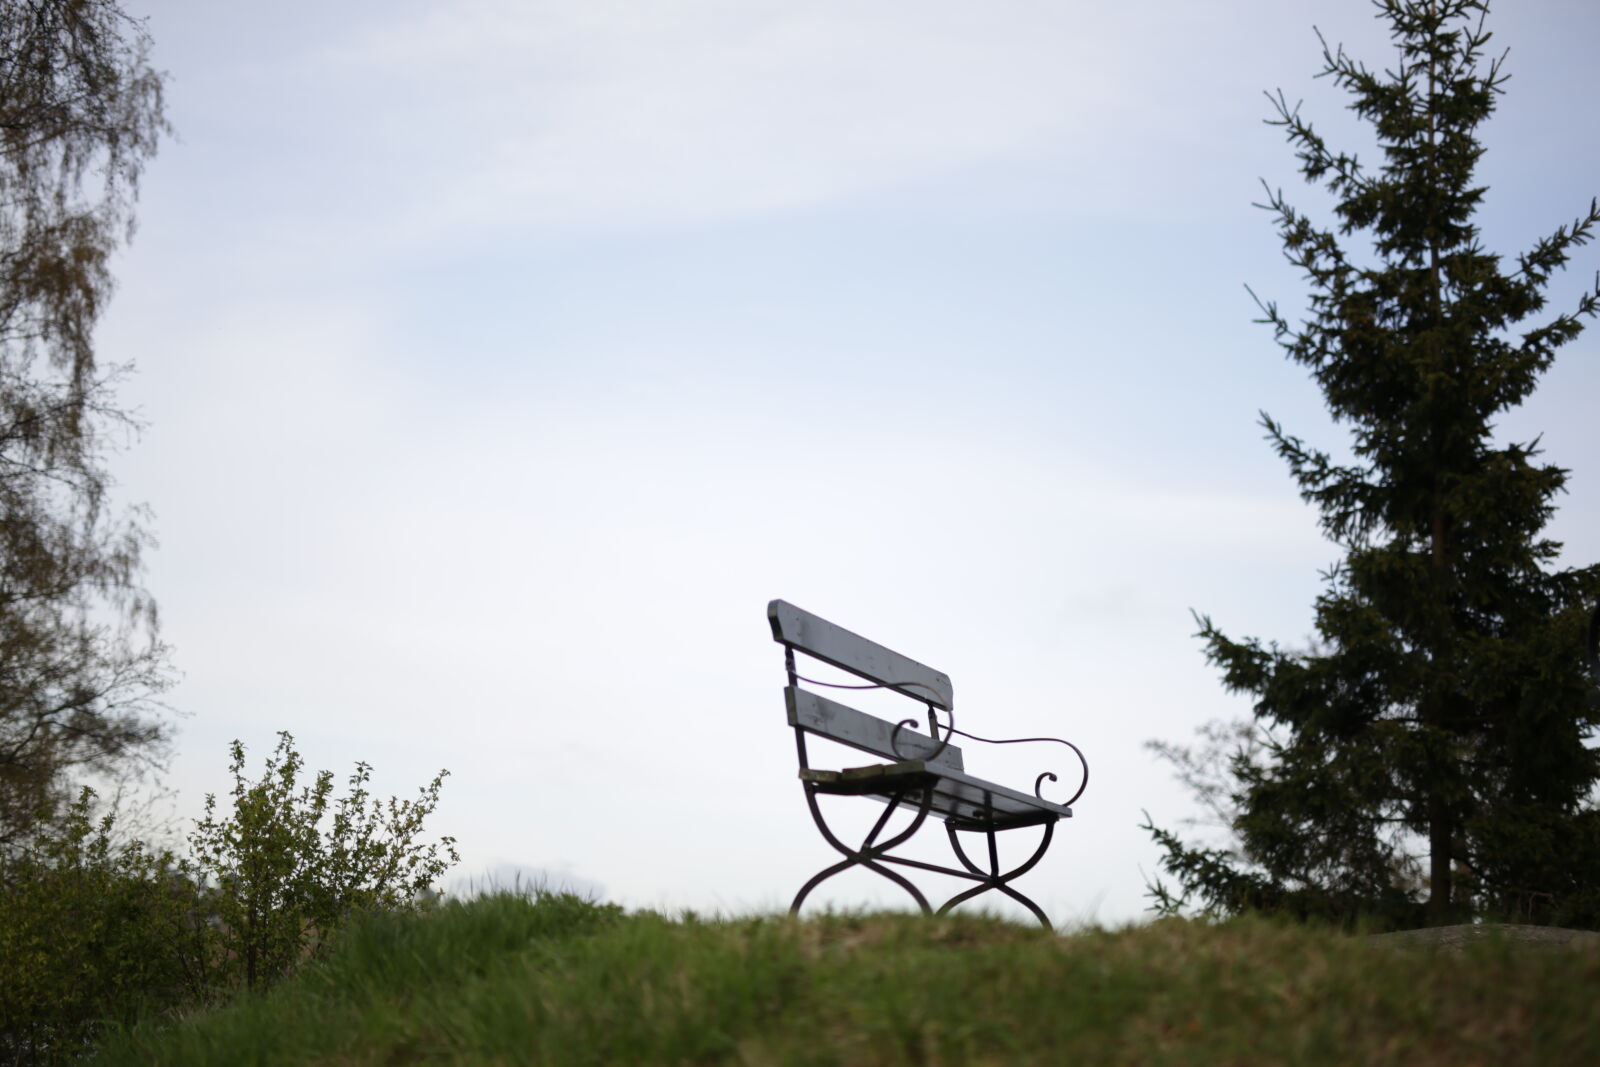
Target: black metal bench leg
[823, 875]
[993, 879]
[868, 852]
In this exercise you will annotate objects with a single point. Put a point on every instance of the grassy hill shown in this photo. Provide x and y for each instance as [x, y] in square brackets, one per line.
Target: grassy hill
[556, 980]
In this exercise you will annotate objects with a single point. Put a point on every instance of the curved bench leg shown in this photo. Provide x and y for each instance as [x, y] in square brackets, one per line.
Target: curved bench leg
[868, 852]
[993, 879]
[828, 872]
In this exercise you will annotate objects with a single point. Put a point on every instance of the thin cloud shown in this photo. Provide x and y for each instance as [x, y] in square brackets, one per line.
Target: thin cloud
[626, 114]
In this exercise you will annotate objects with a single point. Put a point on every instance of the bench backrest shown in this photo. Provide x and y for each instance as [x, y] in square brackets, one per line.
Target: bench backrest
[800, 631]
[815, 636]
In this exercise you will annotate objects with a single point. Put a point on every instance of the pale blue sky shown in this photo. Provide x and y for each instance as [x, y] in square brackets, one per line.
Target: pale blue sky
[502, 360]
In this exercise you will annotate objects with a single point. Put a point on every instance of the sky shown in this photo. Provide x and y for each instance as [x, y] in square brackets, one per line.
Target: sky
[500, 360]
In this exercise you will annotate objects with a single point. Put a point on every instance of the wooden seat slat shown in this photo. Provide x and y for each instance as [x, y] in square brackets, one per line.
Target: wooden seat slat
[885, 778]
[956, 797]
[971, 791]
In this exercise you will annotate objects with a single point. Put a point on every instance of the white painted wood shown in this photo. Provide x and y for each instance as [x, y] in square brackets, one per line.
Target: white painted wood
[839, 722]
[831, 643]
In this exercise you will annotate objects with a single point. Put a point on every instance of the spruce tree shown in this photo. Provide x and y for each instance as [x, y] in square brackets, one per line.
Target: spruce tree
[1425, 760]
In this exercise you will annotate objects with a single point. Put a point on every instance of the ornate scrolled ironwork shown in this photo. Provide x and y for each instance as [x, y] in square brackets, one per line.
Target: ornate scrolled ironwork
[875, 855]
[950, 729]
[1038, 783]
[894, 736]
[995, 878]
[871, 851]
[944, 743]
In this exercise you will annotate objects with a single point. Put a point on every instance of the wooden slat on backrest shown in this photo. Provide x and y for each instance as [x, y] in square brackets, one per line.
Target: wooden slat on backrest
[835, 721]
[833, 644]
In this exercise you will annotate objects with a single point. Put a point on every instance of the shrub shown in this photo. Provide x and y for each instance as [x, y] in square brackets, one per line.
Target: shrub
[279, 884]
[95, 935]
[88, 932]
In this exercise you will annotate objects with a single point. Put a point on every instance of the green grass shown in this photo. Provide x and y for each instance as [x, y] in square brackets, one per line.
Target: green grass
[555, 980]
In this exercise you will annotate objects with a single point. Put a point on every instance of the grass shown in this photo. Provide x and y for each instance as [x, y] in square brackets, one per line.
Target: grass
[556, 980]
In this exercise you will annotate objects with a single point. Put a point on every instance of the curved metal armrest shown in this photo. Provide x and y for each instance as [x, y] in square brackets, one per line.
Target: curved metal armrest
[950, 730]
[1038, 783]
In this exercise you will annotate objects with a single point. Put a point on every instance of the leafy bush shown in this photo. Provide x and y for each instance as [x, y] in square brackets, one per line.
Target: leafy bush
[90, 933]
[280, 884]
[96, 935]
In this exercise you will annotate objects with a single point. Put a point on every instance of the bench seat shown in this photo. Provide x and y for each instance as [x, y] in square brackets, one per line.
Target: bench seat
[926, 774]
[966, 802]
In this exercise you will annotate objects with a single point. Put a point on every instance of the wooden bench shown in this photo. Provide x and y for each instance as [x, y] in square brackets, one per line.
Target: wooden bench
[927, 774]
